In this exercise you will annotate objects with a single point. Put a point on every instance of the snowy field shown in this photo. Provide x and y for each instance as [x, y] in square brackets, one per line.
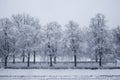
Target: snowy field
[59, 74]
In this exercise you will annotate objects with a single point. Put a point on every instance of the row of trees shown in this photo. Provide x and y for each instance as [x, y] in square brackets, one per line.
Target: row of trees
[23, 36]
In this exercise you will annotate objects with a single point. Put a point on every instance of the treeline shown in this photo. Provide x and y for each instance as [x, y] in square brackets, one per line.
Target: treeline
[22, 35]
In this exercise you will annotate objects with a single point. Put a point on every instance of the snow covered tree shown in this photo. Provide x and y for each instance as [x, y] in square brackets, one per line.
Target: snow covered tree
[6, 39]
[99, 39]
[18, 21]
[37, 37]
[52, 40]
[73, 40]
[116, 41]
[22, 36]
[27, 27]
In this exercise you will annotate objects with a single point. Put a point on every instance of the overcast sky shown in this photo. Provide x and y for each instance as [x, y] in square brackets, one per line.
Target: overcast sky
[63, 10]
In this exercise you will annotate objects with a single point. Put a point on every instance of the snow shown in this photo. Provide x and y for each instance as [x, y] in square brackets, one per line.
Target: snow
[70, 72]
[59, 74]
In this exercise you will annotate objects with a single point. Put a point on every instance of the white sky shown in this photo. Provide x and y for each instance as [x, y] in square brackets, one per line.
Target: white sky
[63, 10]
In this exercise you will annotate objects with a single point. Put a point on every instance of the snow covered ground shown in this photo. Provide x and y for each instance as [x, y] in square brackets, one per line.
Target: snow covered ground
[59, 74]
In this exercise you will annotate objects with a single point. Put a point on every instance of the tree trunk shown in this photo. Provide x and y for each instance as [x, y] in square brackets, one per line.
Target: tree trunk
[51, 61]
[54, 59]
[100, 59]
[75, 60]
[6, 57]
[23, 57]
[14, 59]
[28, 63]
[34, 59]
[96, 58]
